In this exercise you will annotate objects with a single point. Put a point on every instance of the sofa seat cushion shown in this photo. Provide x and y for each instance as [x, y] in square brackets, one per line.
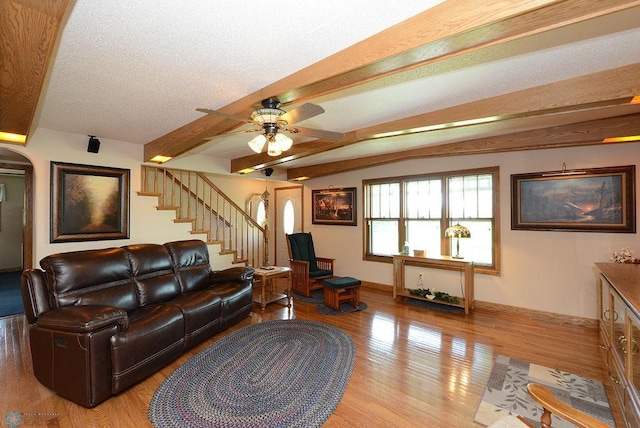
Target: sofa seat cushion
[202, 312]
[155, 337]
[237, 300]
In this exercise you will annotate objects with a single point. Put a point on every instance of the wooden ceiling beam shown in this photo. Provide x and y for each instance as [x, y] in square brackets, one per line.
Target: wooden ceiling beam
[444, 30]
[28, 33]
[573, 135]
[573, 94]
[482, 35]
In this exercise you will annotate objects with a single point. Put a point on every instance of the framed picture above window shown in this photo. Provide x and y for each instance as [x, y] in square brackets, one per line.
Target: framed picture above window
[590, 200]
[334, 206]
[88, 203]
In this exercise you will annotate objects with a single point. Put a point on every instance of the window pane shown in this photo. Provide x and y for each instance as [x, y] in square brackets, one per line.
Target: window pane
[384, 237]
[470, 196]
[288, 220]
[456, 197]
[261, 214]
[485, 196]
[479, 247]
[423, 199]
[384, 200]
[424, 235]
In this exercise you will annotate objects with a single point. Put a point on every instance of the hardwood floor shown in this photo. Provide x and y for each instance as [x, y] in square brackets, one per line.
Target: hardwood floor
[414, 367]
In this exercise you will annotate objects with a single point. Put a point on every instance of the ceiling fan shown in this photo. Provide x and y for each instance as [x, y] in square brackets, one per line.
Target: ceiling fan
[271, 120]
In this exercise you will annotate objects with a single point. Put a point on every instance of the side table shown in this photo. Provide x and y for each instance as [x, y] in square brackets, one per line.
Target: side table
[266, 278]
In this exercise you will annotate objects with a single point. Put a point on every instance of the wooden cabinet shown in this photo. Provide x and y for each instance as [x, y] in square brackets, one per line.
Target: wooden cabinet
[443, 262]
[618, 304]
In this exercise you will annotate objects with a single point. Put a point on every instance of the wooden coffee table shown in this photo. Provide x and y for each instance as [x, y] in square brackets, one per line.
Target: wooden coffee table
[266, 278]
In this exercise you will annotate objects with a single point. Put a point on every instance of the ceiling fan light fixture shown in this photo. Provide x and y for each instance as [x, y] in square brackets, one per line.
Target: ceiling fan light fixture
[258, 143]
[266, 115]
[273, 149]
[283, 141]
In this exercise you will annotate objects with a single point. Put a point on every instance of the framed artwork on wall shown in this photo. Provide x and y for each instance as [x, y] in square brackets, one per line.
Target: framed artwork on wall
[590, 200]
[334, 206]
[88, 203]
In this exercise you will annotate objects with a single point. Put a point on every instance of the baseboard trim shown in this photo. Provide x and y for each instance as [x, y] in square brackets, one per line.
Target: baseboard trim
[533, 314]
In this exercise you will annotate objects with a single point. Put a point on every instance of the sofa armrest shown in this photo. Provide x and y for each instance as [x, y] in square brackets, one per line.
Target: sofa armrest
[234, 274]
[84, 319]
[34, 294]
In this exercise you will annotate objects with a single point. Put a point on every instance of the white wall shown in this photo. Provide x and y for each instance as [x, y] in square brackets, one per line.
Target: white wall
[147, 225]
[547, 271]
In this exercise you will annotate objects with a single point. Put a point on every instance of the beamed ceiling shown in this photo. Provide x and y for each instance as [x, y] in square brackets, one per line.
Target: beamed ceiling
[400, 81]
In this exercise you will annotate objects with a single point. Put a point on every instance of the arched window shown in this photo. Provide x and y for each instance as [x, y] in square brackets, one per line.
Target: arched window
[257, 209]
[261, 214]
[288, 217]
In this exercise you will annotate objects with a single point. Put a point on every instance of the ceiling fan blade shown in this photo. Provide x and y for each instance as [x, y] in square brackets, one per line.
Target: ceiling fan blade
[227, 134]
[304, 112]
[315, 133]
[219, 113]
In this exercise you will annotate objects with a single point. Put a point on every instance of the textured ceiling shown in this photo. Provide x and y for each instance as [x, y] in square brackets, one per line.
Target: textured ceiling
[136, 71]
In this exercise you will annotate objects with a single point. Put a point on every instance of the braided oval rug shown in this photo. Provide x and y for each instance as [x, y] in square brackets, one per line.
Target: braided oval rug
[281, 373]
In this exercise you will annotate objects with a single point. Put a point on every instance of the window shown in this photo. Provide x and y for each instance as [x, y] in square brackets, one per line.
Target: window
[418, 209]
[261, 214]
[288, 220]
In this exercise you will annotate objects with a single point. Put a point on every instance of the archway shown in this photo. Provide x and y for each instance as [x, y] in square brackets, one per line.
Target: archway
[13, 162]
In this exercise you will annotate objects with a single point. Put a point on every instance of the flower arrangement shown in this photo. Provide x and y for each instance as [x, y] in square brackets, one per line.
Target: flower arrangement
[625, 255]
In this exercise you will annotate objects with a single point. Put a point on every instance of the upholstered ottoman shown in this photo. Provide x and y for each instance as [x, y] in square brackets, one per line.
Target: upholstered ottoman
[343, 289]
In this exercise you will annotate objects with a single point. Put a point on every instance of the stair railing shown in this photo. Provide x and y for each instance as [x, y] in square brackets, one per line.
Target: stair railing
[210, 211]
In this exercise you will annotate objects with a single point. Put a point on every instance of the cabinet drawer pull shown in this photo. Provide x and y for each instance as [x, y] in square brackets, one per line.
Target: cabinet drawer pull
[615, 316]
[615, 380]
[605, 315]
[623, 344]
[603, 346]
[634, 347]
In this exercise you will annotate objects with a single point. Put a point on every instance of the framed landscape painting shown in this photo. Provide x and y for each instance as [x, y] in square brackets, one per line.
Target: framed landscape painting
[334, 206]
[591, 200]
[88, 203]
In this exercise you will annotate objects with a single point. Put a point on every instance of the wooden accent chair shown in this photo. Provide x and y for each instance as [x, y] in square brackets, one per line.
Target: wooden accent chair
[550, 404]
[307, 270]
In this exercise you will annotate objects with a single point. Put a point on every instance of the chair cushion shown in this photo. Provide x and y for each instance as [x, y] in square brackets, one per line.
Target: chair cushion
[343, 282]
[301, 245]
[320, 272]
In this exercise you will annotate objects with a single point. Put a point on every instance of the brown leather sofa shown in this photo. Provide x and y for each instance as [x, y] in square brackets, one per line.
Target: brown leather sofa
[105, 319]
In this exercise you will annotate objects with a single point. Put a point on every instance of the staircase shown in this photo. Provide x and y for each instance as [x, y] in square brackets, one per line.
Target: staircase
[198, 201]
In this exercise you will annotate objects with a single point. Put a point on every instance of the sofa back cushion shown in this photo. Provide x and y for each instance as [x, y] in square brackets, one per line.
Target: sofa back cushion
[153, 273]
[191, 261]
[90, 277]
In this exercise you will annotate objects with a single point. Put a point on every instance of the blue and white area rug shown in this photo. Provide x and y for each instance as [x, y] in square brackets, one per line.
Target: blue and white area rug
[281, 373]
[506, 393]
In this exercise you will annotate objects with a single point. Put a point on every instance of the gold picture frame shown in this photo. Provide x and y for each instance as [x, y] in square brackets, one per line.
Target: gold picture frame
[589, 200]
[334, 206]
[88, 203]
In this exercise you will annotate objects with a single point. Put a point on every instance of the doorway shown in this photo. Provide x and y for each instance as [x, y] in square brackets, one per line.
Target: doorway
[14, 162]
[287, 219]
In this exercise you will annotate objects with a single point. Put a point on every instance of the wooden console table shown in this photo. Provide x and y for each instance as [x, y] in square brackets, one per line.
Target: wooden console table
[438, 262]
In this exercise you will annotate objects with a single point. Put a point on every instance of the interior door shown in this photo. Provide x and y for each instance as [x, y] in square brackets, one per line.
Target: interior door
[288, 219]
